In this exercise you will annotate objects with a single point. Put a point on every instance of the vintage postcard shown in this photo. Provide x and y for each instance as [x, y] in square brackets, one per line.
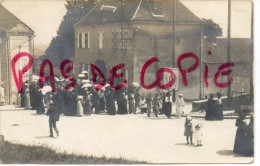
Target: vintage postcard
[126, 81]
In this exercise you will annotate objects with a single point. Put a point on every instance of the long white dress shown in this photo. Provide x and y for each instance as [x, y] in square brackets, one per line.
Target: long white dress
[180, 103]
[198, 134]
[80, 110]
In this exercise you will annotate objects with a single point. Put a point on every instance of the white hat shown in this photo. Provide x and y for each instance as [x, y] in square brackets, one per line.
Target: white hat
[188, 118]
[180, 94]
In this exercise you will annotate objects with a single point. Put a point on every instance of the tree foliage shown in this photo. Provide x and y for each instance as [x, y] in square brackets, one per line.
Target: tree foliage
[101, 64]
[211, 30]
[62, 46]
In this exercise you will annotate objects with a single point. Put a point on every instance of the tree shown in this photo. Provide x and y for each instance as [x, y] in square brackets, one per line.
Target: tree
[101, 64]
[62, 46]
[211, 30]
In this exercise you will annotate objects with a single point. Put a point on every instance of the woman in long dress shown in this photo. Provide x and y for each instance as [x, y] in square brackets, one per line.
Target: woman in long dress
[79, 106]
[210, 108]
[168, 104]
[122, 103]
[40, 106]
[218, 108]
[110, 102]
[250, 137]
[240, 145]
[180, 103]
[131, 102]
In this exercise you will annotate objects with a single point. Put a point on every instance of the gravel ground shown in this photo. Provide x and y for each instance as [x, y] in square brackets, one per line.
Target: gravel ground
[134, 137]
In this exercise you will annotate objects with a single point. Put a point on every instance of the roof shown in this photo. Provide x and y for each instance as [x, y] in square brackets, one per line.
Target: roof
[8, 20]
[112, 11]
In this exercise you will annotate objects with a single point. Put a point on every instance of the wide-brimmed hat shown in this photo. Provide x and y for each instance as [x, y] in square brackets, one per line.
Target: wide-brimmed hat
[188, 118]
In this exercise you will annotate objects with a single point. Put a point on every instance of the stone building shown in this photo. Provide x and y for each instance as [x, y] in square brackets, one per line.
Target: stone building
[133, 31]
[15, 37]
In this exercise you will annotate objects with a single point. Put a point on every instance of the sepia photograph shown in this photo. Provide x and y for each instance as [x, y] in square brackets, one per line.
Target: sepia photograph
[127, 81]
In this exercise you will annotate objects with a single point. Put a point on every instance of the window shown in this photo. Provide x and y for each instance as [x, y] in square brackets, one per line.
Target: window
[86, 44]
[80, 40]
[83, 40]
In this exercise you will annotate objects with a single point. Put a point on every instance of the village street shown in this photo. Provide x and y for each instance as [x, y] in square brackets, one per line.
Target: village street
[133, 137]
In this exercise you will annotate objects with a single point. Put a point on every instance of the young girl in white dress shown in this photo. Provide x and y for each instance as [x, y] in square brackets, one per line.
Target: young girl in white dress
[198, 134]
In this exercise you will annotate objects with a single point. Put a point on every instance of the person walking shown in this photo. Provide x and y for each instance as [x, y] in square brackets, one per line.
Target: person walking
[53, 113]
[180, 103]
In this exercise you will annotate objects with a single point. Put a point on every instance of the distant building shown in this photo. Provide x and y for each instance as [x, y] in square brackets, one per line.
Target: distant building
[133, 31]
[15, 37]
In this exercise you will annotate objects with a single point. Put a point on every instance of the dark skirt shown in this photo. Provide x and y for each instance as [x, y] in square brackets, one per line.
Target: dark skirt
[240, 146]
[219, 112]
[122, 107]
[111, 107]
[167, 109]
[40, 108]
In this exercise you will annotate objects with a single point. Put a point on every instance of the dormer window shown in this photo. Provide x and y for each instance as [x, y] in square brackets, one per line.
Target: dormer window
[108, 8]
[156, 8]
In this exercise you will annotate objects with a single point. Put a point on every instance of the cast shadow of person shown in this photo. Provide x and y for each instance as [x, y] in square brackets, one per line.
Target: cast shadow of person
[228, 153]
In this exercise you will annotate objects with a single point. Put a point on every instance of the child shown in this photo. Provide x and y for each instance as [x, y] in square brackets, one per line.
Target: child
[188, 129]
[198, 134]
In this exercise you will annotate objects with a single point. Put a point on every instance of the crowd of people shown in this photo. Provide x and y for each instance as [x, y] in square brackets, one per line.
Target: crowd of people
[83, 99]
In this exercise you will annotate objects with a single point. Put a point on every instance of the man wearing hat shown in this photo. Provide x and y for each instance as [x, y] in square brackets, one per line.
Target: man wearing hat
[180, 103]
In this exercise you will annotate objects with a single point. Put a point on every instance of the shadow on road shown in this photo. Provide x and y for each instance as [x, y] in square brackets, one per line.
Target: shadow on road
[185, 144]
[42, 137]
[181, 144]
[225, 152]
[228, 153]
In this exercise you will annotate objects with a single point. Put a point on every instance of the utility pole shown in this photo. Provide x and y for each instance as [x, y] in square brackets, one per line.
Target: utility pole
[229, 44]
[173, 32]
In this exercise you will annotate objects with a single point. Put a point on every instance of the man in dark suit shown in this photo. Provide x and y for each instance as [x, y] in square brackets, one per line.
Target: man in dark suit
[54, 112]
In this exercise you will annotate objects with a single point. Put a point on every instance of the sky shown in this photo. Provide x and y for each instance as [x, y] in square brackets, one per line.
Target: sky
[44, 16]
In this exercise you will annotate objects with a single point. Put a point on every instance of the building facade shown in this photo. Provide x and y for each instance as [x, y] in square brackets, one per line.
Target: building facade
[15, 37]
[133, 31]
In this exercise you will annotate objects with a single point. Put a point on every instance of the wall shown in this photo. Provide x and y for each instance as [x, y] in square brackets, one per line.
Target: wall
[148, 40]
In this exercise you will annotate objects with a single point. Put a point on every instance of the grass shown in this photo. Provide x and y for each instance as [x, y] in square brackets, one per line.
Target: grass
[22, 154]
